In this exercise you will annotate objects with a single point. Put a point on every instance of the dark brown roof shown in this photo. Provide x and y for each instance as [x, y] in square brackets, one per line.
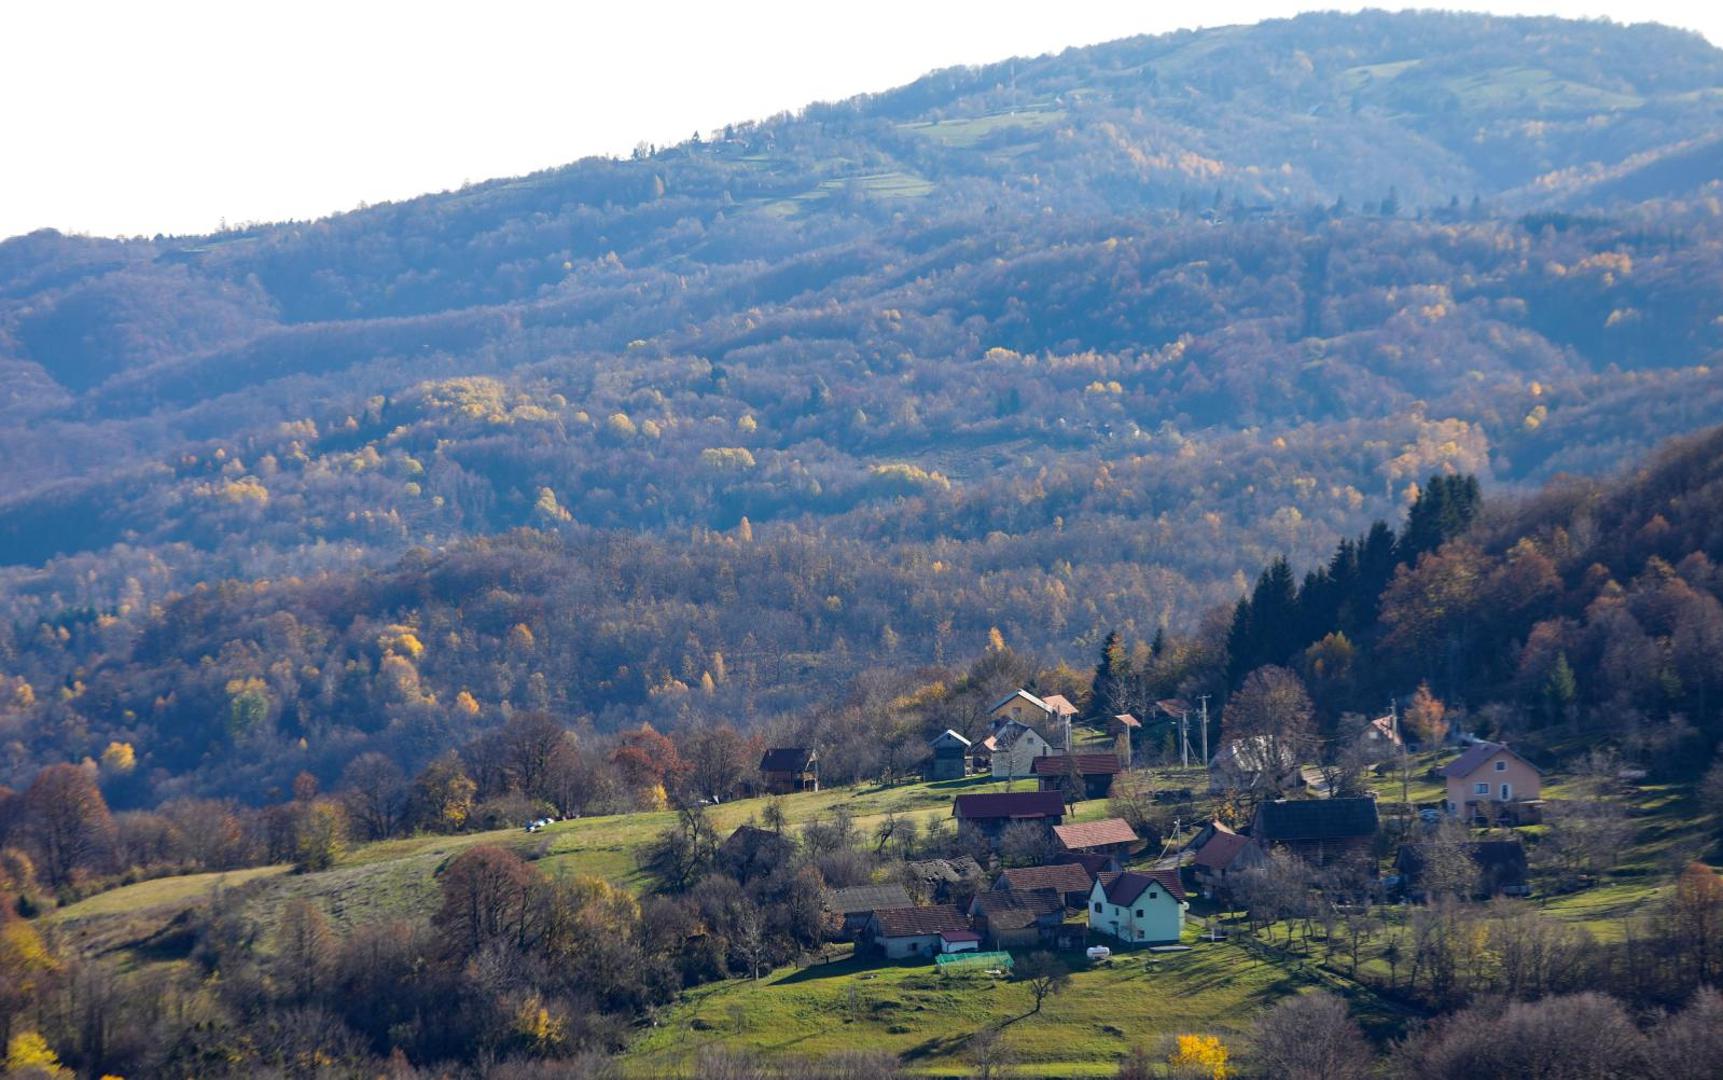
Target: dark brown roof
[918, 921]
[1476, 754]
[1066, 877]
[1093, 863]
[859, 898]
[1316, 819]
[1092, 834]
[1015, 909]
[1087, 764]
[787, 759]
[1222, 848]
[1123, 889]
[1009, 804]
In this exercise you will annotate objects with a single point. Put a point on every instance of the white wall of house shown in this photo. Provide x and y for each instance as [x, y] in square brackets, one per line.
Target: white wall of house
[902, 948]
[1156, 918]
[1018, 760]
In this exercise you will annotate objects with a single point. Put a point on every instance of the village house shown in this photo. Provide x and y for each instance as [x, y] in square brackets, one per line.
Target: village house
[1491, 782]
[1379, 737]
[1109, 836]
[1016, 746]
[787, 769]
[1095, 772]
[1139, 907]
[902, 933]
[1018, 919]
[1256, 762]
[1070, 880]
[857, 904]
[1320, 831]
[1021, 706]
[1219, 854]
[993, 811]
[1501, 866]
[949, 758]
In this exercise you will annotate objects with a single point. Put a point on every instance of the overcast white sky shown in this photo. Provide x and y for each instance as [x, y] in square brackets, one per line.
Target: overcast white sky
[123, 118]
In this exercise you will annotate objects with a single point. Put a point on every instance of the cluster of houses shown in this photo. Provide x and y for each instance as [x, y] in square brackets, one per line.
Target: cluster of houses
[1083, 889]
[1086, 886]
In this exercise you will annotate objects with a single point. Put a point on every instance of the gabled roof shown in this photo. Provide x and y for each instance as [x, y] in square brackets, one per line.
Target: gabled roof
[1173, 706]
[1093, 863]
[1125, 719]
[1087, 764]
[1475, 756]
[1065, 877]
[919, 921]
[1222, 848]
[949, 736]
[1059, 705]
[1009, 804]
[1010, 732]
[1092, 834]
[1025, 695]
[1382, 728]
[787, 759]
[1123, 889]
[1015, 909]
[1316, 819]
[1254, 753]
[859, 898]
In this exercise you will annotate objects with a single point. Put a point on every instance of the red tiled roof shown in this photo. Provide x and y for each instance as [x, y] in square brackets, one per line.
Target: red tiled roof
[959, 935]
[1221, 849]
[1093, 863]
[1089, 834]
[1015, 909]
[1087, 764]
[1059, 705]
[1009, 804]
[1124, 888]
[1066, 877]
[919, 921]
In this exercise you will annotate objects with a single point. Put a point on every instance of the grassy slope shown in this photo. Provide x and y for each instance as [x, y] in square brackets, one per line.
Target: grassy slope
[926, 1018]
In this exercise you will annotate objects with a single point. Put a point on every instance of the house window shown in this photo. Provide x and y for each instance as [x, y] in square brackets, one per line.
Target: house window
[1097, 909]
[1501, 766]
[1505, 792]
[1139, 913]
[1480, 789]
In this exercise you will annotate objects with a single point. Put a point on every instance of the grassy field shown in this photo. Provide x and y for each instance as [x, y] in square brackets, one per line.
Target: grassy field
[929, 1019]
[968, 131]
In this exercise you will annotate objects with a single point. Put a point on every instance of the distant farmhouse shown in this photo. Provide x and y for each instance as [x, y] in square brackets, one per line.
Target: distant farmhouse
[1320, 831]
[1109, 836]
[1491, 782]
[992, 812]
[1014, 742]
[787, 769]
[1094, 772]
[1140, 907]
[900, 933]
[857, 904]
[949, 759]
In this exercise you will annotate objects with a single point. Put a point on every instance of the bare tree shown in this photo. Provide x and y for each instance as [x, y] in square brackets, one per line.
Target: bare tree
[1310, 1037]
[1045, 975]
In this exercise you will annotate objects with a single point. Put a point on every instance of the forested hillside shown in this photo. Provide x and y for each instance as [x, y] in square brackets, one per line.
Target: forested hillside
[1049, 347]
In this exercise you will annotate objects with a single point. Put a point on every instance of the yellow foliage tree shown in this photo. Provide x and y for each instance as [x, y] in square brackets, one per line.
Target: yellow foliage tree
[119, 758]
[520, 637]
[466, 704]
[1199, 1056]
[29, 1053]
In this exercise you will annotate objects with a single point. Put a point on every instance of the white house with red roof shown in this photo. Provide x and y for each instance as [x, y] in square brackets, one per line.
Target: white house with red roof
[1142, 907]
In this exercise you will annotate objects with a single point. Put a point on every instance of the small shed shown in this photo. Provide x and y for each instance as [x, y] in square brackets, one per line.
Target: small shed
[787, 769]
[950, 756]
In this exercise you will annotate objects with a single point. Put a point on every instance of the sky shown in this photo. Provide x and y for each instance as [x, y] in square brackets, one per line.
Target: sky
[173, 116]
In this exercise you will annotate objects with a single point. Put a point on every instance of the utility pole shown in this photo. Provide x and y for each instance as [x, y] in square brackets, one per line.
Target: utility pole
[1185, 738]
[1205, 730]
[1394, 718]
